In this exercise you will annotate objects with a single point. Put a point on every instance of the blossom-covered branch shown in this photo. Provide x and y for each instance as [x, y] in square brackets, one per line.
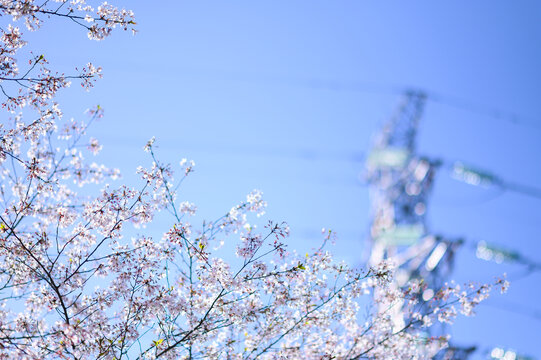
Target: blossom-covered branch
[82, 277]
[28, 80]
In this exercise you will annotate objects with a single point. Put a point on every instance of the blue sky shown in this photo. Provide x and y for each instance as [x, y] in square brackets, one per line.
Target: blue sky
[285, 97]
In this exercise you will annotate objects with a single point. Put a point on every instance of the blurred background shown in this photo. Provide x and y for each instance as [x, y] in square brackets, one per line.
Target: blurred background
[288, 97]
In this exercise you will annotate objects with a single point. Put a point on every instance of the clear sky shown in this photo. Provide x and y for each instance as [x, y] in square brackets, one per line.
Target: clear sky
[284, 96]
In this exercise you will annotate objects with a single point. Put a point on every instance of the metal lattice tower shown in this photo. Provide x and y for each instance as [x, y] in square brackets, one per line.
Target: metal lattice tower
[400, 185]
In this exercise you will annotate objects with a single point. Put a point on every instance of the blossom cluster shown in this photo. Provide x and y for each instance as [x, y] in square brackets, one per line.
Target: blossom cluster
[81, 277]
[74, 285]
[27, 80]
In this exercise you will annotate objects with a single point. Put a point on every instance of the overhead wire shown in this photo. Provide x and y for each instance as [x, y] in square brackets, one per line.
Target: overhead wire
[483, 110]
[394, 89]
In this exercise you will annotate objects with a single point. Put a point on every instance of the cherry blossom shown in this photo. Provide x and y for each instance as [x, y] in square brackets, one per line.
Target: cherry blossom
[81, 277]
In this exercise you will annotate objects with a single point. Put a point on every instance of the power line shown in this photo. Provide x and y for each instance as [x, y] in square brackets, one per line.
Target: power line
[484, 110]
[392, 89]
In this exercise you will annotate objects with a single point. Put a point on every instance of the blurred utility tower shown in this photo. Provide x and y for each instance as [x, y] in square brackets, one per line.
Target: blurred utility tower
[400, 184]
